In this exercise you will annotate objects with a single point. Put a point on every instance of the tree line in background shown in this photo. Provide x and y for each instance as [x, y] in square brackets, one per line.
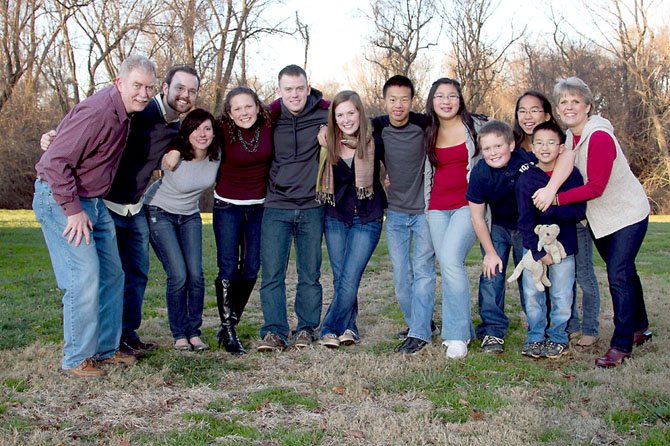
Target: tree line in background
[54, 53]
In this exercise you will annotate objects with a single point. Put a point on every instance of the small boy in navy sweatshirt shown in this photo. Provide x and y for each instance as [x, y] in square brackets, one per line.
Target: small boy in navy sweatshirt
[492, 183]
[546, 339]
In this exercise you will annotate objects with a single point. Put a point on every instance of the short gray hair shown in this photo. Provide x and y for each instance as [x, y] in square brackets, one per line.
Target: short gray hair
[136, 62]
[573, 85]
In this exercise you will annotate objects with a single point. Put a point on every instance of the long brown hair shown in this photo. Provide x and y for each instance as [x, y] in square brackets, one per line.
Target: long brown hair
[433, 123]
[334, 132]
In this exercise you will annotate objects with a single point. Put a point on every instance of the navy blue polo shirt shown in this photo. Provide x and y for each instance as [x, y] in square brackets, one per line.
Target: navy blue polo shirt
[495, 187]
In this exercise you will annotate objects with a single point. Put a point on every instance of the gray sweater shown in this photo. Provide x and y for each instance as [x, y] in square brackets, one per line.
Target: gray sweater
[178, 192]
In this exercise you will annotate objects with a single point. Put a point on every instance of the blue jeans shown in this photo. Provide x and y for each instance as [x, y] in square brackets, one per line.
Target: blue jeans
[349, 249]
[237, 231]
[132, 236]
[492, 291]
[453, 236]
[279, 228]
[413, 270]
[619, 251]
[177, 241]
[587, 281]
[90, 275]
[562, 277]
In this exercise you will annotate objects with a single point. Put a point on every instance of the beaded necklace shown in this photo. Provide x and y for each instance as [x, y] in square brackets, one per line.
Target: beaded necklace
[252, 145]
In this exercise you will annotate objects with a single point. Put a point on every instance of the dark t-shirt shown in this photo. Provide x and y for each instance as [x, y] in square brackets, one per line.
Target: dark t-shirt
[495, 187]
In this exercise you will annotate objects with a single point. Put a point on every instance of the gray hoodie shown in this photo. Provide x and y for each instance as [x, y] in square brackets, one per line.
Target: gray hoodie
[292, 180]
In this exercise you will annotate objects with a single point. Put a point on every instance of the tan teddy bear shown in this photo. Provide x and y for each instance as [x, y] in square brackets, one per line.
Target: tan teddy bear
[546, 239]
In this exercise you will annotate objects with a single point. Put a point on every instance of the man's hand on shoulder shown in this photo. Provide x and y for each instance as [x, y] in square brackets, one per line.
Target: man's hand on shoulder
[78, 225]
[46, 139]
[171, 160]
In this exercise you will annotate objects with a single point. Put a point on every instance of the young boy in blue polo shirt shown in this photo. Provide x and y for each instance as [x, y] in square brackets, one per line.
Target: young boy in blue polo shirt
[492, 183]
[548, 339]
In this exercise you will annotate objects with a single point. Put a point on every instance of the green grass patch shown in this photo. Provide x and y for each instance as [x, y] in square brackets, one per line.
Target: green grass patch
[455, 398]
[655, 436]
[287, 436]
[278, 395]
[16, 384]
[207, 430]
[549, 435]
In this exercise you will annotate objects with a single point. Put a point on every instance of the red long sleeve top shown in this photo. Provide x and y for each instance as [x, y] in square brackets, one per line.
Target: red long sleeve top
[601, 155]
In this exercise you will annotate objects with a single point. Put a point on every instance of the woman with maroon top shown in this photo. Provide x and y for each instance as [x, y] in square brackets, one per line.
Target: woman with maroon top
[238, 207]
[451, 147]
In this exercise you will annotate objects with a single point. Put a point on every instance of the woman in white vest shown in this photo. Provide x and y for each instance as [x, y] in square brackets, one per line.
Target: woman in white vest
[617, 210]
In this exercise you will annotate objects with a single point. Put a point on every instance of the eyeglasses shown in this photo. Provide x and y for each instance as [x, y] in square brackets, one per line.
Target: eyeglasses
[548, 144]
[453, 97]
[532, 111]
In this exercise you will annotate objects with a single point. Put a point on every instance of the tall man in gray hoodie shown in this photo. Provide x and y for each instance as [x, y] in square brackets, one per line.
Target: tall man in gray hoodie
[292, 212]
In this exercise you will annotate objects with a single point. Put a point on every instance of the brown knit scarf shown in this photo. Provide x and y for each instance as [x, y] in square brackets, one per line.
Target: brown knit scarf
[364, 172]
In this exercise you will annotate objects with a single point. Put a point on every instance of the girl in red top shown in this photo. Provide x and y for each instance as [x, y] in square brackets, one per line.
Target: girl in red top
[452, 151]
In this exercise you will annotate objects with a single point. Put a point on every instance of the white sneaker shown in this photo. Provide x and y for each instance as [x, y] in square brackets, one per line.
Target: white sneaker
[456, 349]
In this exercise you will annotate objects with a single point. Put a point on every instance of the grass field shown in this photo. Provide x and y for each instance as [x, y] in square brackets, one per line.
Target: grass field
[360, 395]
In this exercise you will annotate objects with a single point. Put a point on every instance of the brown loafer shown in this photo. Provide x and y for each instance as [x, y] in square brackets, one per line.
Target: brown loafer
[612, 358]
[86, 369]
[118, 358]
[642, 336]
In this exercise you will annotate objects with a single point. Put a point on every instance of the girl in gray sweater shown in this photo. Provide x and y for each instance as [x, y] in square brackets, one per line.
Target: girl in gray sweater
[176, 227]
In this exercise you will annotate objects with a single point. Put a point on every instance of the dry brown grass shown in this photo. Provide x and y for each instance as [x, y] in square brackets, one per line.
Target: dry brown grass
[569, 398]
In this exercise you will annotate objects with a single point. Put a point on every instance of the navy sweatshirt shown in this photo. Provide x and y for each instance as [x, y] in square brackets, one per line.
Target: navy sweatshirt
[532, 179]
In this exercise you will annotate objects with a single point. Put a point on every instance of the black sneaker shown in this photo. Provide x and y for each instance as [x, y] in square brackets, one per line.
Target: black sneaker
[402, 334]
[434, 330]
[492, 344]
[533, 349]
[411, 346]
[554, 350]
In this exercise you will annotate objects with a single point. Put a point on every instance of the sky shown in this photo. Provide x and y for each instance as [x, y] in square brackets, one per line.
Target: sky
[339, 32]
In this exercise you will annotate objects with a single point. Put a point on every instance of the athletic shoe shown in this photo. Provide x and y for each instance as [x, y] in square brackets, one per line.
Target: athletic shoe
[271, 343]
[348, 338]
[554, 350]
[533, 349]
[492, 344]
[330, 340]
[456, 349]
[411, 346]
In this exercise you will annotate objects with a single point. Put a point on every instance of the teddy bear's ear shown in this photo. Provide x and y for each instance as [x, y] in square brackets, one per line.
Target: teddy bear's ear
[537, 229]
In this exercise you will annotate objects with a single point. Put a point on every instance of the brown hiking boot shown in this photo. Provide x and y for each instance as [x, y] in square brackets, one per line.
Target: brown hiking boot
[118, 358]
[86, 369]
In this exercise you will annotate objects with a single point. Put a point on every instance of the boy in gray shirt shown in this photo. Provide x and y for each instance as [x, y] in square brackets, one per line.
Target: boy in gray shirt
[400, 136]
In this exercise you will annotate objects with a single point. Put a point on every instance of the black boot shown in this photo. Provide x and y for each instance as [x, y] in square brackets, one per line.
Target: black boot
[243, 289]
[227, 335]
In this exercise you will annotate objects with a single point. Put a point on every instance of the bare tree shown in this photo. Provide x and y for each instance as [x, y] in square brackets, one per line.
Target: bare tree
[303, 30]
[476, 61]
[27, 34]
[403, 31]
